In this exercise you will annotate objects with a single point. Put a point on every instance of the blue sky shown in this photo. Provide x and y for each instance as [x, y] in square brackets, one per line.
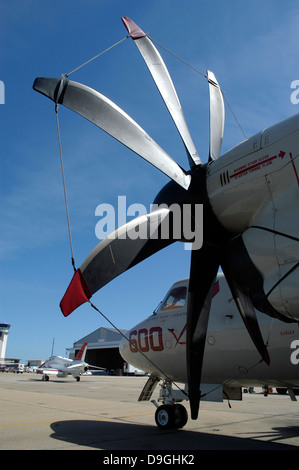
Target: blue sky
[252, 47]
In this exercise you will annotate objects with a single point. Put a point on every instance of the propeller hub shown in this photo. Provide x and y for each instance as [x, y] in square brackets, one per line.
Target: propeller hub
[172, 193]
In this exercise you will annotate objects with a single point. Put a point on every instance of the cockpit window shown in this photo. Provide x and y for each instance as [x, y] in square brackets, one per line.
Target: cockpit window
[175, 299]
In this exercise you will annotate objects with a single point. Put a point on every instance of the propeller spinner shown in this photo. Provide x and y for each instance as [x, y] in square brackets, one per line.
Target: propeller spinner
[119, 252]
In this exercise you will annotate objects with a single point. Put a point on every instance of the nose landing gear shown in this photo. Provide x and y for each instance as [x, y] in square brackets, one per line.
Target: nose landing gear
[171, 414]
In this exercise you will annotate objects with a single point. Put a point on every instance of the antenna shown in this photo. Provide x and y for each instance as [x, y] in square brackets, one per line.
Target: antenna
[53, 347]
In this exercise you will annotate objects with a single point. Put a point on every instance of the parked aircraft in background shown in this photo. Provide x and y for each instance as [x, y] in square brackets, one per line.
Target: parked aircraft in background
[59, 366]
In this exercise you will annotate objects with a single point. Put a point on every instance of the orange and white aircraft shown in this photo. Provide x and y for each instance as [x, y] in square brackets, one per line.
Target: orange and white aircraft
[157, 346]
[59, 366]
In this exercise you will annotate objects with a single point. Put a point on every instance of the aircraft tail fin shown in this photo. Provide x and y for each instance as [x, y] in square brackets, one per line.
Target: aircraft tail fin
[81, 354]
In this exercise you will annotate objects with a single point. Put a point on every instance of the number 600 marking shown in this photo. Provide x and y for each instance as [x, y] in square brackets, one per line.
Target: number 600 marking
[144, 340]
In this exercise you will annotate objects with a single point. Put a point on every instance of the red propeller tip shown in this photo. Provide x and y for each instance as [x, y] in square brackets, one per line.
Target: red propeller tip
[134, 31]
[76, 294]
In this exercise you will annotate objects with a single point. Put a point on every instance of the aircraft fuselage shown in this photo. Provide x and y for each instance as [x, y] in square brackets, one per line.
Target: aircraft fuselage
[158, 345]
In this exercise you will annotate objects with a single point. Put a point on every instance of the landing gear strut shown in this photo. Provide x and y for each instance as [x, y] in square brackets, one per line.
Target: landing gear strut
[170, 415]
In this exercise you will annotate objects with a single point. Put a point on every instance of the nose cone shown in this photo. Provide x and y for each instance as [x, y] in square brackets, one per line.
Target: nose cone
[124, 348]
[128, 350]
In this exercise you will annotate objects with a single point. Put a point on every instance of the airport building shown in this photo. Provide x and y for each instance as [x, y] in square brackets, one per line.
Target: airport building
[9, 362]
[4, 330]
[102, 349]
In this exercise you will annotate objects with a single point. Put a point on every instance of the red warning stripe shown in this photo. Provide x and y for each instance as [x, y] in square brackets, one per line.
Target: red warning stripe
[251, 167]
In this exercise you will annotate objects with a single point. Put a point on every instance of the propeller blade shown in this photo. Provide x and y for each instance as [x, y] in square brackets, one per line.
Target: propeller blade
[217, 116]
[248, 315]
[203, 272]
[164, 83]
[120, 251]
[108, 116]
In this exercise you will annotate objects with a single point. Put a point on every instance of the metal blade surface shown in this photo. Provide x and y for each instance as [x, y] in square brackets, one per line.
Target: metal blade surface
[203, 272]
[217, 116]
[164, 84]
[105, 114]
[120, 251]
[247, 312]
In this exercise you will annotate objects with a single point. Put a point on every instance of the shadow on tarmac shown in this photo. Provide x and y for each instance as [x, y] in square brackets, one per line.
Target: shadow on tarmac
[106, 435]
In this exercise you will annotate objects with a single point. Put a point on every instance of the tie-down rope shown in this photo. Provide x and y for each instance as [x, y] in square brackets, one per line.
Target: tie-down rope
[65, 192]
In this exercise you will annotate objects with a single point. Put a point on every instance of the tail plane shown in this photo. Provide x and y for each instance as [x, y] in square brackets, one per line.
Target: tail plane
[81, 354]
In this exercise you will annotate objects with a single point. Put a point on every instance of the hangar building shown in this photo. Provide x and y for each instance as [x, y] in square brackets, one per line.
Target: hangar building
[102, 349]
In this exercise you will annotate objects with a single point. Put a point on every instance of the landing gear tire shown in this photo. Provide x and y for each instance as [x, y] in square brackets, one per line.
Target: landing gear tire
[78, 379]
[171, 416]
[164, 417]
[181, 416]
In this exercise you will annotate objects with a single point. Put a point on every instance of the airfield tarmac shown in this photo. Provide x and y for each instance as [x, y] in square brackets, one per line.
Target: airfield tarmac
[103, 413]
